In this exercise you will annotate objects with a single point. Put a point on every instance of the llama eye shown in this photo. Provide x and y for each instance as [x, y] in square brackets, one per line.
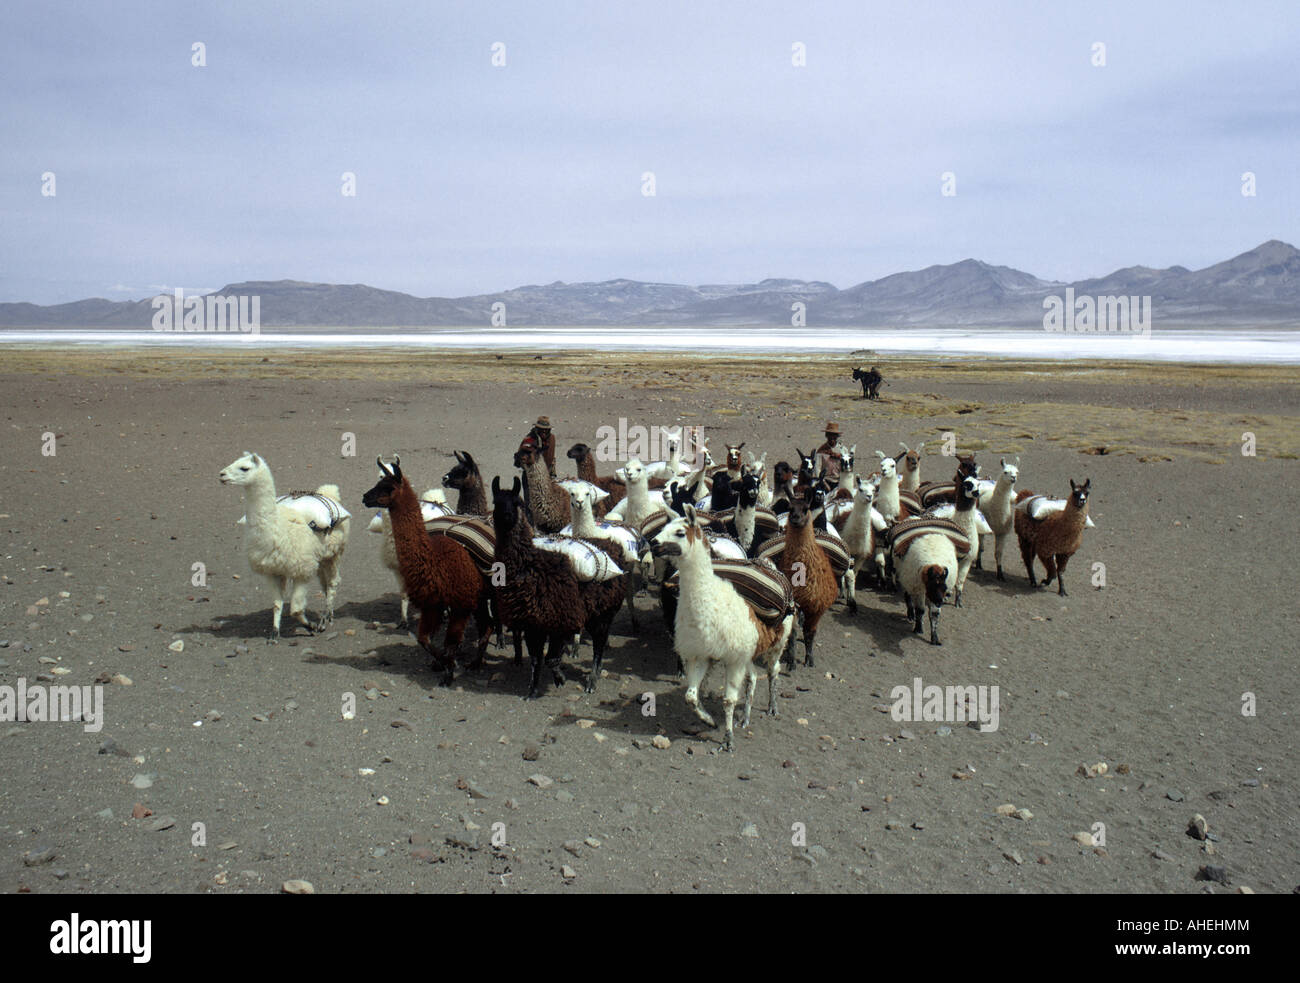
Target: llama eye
[243, 469]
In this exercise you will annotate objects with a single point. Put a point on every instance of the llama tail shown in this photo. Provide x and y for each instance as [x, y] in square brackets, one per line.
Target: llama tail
[330, 491]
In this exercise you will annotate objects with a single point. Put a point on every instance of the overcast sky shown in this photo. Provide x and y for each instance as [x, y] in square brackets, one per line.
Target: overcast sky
[472, 178]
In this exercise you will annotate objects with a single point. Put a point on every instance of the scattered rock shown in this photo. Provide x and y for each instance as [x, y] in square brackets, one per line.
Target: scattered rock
[661, 742]
[574, 847]
[1092, 771]
[592, 842]
[568, 873]
[1161, 855]
[162, 823]
[564, 795]
[1210, 872]
[541, 781]
[34, 858]
[531, 752]
[121, 680]
[1006, 810]
[944, 732]
[1085, 839]
[298, 887]
[143, 781]
[1197, 827]
[1014, 857]
[1173, 795]
[176, 646]
[140, 811]
[906, 735]
[468, 840]
[1024, 814]
[749, 830]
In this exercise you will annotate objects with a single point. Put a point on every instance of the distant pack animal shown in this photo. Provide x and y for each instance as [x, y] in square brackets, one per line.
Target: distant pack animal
[871, 382]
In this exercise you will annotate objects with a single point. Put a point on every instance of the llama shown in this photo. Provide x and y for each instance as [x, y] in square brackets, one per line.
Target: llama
[909, 466]
[887, 500]
[638, 506]
[998, 505]
[871, 382]
[967, 518]
[548, 501]
[844, 489]
[438, 572]
[285, 546]
[860, 531]
[541, 596]
[925, 572]
[1053, 535]
[784, 492]
[432, 502]
[713, 623]
[816, 586]
[465, 478]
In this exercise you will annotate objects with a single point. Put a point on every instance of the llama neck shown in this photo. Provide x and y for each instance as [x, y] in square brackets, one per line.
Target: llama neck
[587, 468]
[584, 524]
[409, 535]
[798, 537]
[472, 499]
[259, 499]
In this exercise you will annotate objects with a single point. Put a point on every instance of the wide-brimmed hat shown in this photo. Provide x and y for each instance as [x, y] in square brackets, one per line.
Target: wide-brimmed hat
[831, 427]
[543, 423]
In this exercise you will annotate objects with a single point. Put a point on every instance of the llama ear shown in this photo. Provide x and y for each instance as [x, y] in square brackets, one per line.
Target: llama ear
[397, 467]
[918, 448]
[905, 447]
[517, 485]
[1017, 460]
[880, 454]
[496, 485]
[691, 515]
[1087, 485]
[469, 461]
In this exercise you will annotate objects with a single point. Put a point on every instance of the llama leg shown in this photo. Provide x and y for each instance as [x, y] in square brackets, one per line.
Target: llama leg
[483, 623]
[695, 671]
[998, 546]
[751, 674]
[1049, 564]
[1027, 554]
[277, 605]
[455, 636]
[934, 624]
[851, 585]
[979, 553]
[406, 607]
[809, 636]
[331, 574]
[555, 654]
[599, 640]
[963, 568]
[772, 673]
[536, 639]
[1061, 560]
[298, 602]
[730, 696]
[631, 600]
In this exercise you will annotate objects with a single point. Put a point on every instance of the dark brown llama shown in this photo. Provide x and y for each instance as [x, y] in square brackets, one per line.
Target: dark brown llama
[1055, 537]
[541, 596]
[437, 571]
[465, 478]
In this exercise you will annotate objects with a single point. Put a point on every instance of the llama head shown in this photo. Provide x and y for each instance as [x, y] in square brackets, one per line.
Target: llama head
[679, 497]
[581, 500]
[1079, 493]
[887, 467]
[733, 455]
[680, 537]
[935, 578]
[966, 465]
[969, 486]
[463, 473]
[910, 460]
[244, 470]
[865, 494]
[800, 512]
[506, 508]
[390, 480]
[1010, 472]
[526, 454]
[747, 494]
[634, 471]
[782, 472]
[806, 464]
[578, 452]
[847, 457]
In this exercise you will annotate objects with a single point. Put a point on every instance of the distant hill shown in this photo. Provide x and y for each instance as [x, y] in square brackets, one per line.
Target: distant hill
[1261, 286]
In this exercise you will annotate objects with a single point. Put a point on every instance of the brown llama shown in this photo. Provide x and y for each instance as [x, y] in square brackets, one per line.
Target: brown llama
[547, 501]
[541, 597]
[465, 478]
[438, 572]
[1054, 535]
[816, 587]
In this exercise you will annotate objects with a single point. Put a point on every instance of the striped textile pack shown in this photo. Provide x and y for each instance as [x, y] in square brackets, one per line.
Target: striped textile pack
[834, 548]
[904, 533]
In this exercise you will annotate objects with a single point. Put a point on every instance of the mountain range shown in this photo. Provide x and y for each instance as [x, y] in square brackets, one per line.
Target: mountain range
[1258, 287]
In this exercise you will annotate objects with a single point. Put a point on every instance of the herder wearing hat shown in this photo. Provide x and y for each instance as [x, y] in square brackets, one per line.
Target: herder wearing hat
[830, 456]
[541, 433]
